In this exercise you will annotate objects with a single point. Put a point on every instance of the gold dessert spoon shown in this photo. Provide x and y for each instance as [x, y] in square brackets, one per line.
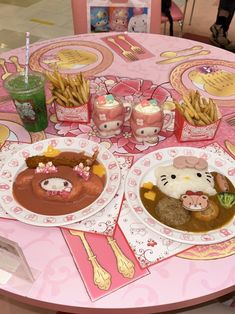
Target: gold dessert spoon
[125, 266]
[172, 54]
[101, 278]
[181, 58]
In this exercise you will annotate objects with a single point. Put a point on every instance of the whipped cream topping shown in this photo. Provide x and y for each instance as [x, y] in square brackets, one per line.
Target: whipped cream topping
[107, 101]
[147, 107]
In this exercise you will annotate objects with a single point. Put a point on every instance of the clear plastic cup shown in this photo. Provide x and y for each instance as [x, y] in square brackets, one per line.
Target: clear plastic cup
[29, 99]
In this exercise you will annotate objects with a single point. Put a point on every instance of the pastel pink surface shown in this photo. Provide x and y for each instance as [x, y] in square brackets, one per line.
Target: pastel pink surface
[60, 285]
[105, 257]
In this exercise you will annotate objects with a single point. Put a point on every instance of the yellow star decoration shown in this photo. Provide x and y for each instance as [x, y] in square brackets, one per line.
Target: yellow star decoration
[51, 151]
[99, 170]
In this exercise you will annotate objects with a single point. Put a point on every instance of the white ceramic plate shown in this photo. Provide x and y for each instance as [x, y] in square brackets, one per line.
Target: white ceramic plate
[17, 163]
[143, 171]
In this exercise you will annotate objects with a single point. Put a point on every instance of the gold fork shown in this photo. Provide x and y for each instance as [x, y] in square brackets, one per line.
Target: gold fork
[128, 54]
[101, 278]
[133, 48]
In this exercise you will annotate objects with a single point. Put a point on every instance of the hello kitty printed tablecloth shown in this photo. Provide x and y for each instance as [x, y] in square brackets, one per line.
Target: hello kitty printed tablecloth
[196, 277]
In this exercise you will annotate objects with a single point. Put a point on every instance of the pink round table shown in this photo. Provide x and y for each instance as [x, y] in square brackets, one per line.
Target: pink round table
[173, 283]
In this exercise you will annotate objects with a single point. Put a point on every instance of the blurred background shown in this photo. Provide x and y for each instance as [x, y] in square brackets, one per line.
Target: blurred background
[49, 19]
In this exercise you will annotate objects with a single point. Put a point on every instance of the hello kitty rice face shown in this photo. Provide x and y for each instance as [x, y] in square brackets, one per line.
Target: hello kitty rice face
[175, 182]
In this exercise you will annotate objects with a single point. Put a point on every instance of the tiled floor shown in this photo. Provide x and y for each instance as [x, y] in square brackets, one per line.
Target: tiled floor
[44, 19]
[53, 18]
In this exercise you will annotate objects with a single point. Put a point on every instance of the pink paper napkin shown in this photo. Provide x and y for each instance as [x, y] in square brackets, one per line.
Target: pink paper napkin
[112, 278]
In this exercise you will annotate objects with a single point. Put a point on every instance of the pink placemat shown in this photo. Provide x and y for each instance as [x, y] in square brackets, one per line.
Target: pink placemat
[108, 268]
[126, 45]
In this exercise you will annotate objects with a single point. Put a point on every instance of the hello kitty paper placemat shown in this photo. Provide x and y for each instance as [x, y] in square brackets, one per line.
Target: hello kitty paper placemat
[127, 48]
[148, 246]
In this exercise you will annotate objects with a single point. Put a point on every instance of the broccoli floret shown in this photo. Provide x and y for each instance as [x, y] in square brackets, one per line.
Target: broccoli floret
[226, 199]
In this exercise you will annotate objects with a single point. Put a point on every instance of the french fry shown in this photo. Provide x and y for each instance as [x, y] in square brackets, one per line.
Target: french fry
[188, 117]
[191, 110]
[197, 110]
[67, 90]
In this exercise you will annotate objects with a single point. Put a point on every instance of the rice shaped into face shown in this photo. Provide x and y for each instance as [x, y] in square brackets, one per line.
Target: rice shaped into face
[175, 182]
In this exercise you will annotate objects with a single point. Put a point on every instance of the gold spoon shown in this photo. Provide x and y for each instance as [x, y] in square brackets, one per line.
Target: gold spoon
[125, 266]
[101, 278]
[181, 58]
[172, 54]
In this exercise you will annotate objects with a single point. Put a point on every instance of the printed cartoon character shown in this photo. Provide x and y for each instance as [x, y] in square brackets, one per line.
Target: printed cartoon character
[62, 183]
[187, 173]
[146, 121]
[108, 116]
[214, 81]
[71, 59]
[25, 111]
[138, 23]
[194, 201]
[99, 19]
[119, 19]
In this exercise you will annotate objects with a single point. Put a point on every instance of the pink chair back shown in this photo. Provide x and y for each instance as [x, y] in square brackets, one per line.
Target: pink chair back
[81, 11]
[176, 14]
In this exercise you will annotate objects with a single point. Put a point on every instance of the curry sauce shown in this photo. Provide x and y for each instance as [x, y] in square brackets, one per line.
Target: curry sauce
[193, 224]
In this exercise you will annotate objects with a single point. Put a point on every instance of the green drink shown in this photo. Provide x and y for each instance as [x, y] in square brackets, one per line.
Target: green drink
[29, 99]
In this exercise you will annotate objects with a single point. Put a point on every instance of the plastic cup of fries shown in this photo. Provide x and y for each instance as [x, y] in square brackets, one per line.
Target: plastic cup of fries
[196, 118]
[70, 96]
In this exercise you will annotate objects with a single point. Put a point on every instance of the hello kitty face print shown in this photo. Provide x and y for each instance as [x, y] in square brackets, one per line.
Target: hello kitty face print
[25, 111]
[176, 181]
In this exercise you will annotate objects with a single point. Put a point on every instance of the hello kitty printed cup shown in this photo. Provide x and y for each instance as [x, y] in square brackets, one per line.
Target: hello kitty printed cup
[109, 114]
[147, 120]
